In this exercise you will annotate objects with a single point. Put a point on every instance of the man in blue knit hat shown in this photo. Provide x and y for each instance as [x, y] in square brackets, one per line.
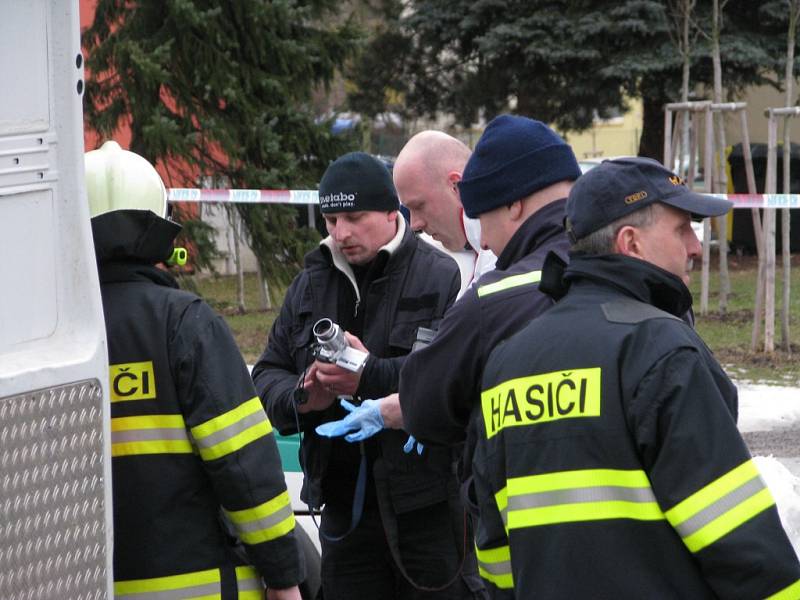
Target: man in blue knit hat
[516, 183]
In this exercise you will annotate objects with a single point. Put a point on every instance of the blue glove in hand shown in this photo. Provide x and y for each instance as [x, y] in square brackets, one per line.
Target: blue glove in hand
[363, 421]
[409, 445]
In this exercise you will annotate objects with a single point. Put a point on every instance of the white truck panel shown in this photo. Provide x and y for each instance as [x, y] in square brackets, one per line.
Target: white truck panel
[55, 464]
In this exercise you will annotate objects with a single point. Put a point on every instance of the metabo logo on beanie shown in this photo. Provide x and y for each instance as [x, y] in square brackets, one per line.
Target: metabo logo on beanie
[337, 202]
[354, 182]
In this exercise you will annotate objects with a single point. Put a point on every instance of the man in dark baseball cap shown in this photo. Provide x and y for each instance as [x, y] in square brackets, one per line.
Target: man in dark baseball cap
[638, 208]
[608, 428]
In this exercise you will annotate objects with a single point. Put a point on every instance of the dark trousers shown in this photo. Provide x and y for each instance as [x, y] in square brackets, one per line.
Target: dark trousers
[361, 567]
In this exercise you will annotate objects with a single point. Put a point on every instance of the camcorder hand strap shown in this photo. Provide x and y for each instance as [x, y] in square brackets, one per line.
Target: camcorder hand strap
[300, 396]
[389, 520]
[358, 500]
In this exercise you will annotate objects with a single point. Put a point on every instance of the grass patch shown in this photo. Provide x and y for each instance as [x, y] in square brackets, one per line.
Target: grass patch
[728, 335]
[250, 328]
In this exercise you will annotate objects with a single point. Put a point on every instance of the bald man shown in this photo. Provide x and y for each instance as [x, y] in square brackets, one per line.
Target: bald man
[426, 175]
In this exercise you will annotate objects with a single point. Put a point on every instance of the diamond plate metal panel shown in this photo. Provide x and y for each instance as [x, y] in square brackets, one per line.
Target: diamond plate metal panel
[52, 516]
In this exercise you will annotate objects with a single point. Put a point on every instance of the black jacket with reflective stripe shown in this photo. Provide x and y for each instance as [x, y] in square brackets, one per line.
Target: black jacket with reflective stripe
[609, 448]
[440, 384]
[417, 284]
[175, 366]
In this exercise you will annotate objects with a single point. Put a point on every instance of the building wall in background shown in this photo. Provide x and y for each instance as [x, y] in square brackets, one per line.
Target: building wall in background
[618, 136]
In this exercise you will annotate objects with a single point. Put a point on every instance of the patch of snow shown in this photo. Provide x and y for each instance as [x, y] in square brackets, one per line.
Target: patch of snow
[785, 488]
[765, 407]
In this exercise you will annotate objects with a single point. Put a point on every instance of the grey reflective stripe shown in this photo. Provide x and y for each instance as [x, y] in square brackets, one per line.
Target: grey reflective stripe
[231, 431]
[504, 516]
[251, 583]
[509, 283]
[207, 589]
[265, 522]
[144, 435]
[721, 506]
[604, 493]
[496, 568]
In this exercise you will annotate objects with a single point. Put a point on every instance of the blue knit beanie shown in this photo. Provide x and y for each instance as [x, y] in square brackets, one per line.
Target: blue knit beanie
[514, 158]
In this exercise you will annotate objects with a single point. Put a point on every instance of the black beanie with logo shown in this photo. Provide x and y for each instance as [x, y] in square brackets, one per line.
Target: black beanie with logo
[355, 182]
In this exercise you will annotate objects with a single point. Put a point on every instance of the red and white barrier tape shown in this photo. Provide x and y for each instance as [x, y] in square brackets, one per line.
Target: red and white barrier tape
[312, 197]
[245, 196]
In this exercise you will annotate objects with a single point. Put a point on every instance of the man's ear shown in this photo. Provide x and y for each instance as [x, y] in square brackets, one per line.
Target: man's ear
[392, 215]
[628, 242]
[515, 211]
[453, 177]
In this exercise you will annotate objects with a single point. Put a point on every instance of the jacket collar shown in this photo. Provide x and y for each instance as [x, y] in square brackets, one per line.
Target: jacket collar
[641, 280]
[118, 272]
[541, 225]
[133, 235]
[394, 247]
[472, 231]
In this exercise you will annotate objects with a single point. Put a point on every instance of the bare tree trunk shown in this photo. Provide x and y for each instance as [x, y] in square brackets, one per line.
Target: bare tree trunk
[794, 13]
[758, 232]
[722, 179]
[651, 143]
[708, 185]
[237, 258]
[686, 10]
[769, 238]
[263, 289]
[668, 139]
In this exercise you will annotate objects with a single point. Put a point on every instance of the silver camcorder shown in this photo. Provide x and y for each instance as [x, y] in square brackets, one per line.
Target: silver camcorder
[332, 347]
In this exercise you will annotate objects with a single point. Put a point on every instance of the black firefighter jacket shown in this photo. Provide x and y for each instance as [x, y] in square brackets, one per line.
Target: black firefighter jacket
[610, 465]
[189, 436]
[440, 384]
[415, 285]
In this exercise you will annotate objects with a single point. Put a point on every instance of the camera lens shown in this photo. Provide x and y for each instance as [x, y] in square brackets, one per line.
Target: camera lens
[324, 330]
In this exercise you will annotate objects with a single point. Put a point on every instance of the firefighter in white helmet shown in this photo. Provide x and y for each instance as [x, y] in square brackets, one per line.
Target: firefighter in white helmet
[190, 439]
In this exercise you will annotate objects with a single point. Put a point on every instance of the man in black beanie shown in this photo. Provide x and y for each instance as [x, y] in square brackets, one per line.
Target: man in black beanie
[392, 524]
[516, 183]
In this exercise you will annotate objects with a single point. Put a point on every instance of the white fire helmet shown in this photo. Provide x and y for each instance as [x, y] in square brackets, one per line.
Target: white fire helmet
[117, 179]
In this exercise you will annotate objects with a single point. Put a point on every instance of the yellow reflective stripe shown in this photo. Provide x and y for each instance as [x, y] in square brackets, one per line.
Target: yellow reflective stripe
[712, 492]
[729, 521]
[579, 478]
[232, 430]
[265, 522]
[148, 422]
[791, 592]
[494, 565]
[149, 434]
[501, 498]
[589, 511]
[158, 447]
[197, 584]
[249, 583]
[584, 495]
[509, 282]
[720, 507]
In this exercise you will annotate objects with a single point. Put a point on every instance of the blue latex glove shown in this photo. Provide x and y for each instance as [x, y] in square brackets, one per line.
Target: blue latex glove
[409, 445]
[363, 421]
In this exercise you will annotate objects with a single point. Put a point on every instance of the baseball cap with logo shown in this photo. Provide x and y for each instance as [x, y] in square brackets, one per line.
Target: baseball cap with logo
[621, 186]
